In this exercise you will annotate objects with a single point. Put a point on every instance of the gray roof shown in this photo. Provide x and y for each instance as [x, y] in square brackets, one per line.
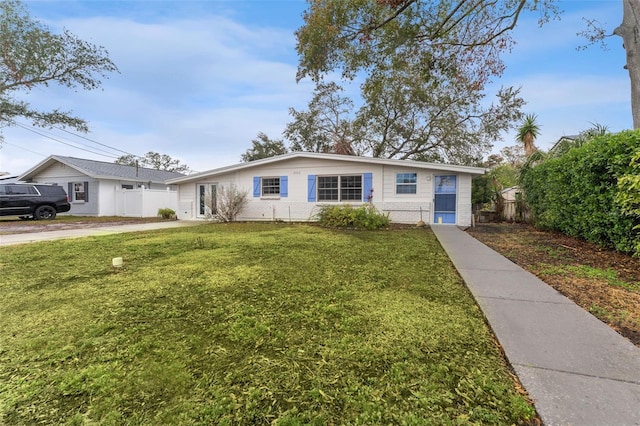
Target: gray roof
[104, 170]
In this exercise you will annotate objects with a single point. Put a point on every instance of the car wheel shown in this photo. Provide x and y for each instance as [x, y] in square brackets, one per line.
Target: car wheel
[44, 212]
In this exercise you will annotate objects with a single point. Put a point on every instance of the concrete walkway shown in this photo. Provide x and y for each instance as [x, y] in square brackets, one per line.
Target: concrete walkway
[577, 370]
[31, 237]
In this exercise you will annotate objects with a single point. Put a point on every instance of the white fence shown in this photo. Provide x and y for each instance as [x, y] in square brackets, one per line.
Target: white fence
[144, 202]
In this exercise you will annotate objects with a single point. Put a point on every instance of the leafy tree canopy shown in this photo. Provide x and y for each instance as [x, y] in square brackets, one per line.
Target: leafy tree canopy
[425, 67]
[32, 56]
[263, 147]
[513, 155]
[327, 126]
[362, 34]
[153, 160]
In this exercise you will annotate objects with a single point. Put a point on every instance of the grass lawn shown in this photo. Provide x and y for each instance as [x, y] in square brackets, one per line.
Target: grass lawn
[246, 324]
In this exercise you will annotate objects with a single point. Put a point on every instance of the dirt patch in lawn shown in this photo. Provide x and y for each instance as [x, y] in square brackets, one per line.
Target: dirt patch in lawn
[15, 225]
[603, 282]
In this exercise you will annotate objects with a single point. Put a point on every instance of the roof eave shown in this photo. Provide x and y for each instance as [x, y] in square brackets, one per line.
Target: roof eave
[348, 158]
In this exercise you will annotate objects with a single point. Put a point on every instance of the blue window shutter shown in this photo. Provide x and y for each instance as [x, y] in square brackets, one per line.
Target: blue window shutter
[256, 186]
[70, 192]
[367, 186]
[311, 185]
[284, 186]
[86, 192]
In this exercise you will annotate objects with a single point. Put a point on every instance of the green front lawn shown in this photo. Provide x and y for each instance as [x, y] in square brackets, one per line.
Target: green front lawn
[246, 324]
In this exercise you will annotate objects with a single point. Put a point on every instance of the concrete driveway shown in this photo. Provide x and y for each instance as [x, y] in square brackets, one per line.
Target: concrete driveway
[32, 237]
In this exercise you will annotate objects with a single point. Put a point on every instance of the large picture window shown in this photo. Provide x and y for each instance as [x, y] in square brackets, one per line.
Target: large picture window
[340, 188]
[406, 183]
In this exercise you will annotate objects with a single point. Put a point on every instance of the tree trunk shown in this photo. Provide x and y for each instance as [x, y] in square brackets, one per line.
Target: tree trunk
[629, 30]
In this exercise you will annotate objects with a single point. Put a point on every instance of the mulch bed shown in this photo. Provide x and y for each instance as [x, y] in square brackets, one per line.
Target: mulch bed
[603, 282]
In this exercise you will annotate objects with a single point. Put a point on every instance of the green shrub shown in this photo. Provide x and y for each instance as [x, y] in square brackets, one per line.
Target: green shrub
[577, 192]
[628, 196]
[346, 216]
[166, 213]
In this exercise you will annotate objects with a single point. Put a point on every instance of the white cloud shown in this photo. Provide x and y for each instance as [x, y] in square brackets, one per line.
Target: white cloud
[197, 89]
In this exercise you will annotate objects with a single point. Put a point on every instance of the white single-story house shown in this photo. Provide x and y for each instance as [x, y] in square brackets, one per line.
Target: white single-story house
[291, 187]
[97, 188]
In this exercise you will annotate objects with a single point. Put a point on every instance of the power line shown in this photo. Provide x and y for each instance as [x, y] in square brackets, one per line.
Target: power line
[23, 148]
[63, 142]
[91, 140]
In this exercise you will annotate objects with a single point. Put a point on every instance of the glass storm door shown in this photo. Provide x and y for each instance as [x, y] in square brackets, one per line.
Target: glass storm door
[445, 199]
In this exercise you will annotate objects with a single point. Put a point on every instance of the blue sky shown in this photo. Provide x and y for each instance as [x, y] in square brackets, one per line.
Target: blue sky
[199, 79]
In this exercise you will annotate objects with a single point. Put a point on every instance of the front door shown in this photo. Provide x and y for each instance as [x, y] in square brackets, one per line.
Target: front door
[207, 200]
[445, 199]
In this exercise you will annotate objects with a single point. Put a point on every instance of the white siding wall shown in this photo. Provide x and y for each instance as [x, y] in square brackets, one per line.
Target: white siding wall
[463, 217]
[58, 171]
[402, 208]
[187, 208]
[408, 208]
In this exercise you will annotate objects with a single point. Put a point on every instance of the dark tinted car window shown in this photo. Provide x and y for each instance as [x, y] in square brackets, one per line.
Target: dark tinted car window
[20, 190]
[51, 190]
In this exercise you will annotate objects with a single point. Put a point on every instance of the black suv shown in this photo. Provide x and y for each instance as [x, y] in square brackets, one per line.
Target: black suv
[39, 201]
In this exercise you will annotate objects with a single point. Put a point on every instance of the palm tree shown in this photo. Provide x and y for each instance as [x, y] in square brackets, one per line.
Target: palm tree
[528, 132]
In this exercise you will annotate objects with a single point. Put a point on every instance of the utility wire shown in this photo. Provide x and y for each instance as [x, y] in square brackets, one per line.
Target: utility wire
[63, 142]
[91, 140]
[23, 148]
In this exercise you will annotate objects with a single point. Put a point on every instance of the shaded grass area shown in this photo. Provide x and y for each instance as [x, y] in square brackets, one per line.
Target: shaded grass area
[609, 276]
[246, 324]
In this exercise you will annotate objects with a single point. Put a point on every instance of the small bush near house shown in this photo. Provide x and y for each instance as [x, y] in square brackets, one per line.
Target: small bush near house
[166, 213]
[578, 193]
[364, 217]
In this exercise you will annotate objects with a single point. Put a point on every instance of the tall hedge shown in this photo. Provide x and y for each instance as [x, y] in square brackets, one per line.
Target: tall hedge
[576, 193]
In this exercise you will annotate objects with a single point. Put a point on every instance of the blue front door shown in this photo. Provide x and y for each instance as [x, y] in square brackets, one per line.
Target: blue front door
[445, 199]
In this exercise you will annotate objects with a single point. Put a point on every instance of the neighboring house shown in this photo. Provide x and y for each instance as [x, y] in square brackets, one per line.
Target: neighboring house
[6, 178]
[97, 188]
[293, 186]
[563, 145]
[510, 196]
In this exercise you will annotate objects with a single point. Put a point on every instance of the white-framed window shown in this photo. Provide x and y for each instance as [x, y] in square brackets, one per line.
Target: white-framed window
[406, 183]
[340, 188]
[78, 192]
[270, 186]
